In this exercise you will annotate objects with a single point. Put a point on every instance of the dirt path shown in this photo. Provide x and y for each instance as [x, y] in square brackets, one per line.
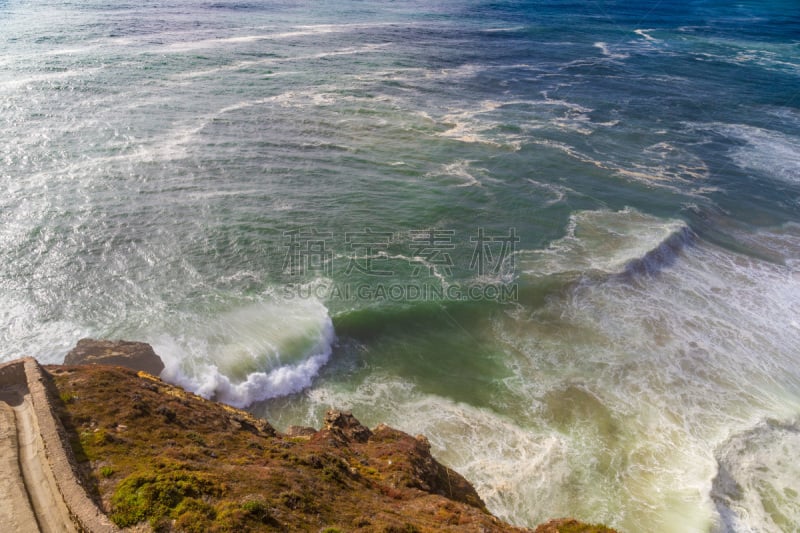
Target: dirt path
[15, 508]
[29, 498]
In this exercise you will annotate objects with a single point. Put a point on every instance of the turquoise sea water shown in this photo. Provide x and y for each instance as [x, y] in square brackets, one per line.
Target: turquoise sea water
[561, 239]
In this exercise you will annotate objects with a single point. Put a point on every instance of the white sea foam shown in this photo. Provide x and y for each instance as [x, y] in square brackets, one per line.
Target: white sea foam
[557, 193]
[249, 354]
[503, 460]
[481, 124]
[602, 241]
[462, 170]
[645, 33]
[776, 57]
[24, 334]
[608, 53]
[468, 70]
[496, 30]
[669, 167]
[174, 144]
[771, 153]
[675, 371]
[18, 82]
[240, 65]
[465, 128]
[300, 31]
[757, 484]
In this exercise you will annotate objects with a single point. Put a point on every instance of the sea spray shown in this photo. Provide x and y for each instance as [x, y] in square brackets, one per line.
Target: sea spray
[251, 353]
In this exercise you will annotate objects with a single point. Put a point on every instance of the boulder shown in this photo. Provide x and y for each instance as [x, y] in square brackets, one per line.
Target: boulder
[300, 431]
[570, 525]
[344, 424]
[133, 355]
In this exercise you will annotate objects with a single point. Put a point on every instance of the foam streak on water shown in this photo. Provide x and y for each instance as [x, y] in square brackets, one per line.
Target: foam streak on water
[156, 161]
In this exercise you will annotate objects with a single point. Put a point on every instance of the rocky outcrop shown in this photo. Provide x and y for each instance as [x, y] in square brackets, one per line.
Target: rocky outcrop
[345, 425]
[125, 449]
[412, 466]
[300, 431]
[570, 525]
[160, 455]
[156, 456]
[133, 355]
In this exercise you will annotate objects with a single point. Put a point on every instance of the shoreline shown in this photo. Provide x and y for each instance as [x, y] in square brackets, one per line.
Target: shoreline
[412, 480]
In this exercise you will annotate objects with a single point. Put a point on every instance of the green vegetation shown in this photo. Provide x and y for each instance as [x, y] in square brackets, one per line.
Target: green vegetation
[67, 397]
[147, 496]
[158, 455]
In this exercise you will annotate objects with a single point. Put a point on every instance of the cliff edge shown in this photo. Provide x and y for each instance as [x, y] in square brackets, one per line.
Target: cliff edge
[152, 456]
[153, 453]
[128, 354]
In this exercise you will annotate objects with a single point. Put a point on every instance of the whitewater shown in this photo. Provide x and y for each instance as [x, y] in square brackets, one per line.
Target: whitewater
[560, 240]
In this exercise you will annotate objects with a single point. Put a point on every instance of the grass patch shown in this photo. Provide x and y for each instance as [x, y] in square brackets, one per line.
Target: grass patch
[67, 397]
[151, 496]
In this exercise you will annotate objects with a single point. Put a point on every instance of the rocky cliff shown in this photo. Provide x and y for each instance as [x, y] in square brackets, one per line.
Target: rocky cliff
[154, 456]
[134, 355]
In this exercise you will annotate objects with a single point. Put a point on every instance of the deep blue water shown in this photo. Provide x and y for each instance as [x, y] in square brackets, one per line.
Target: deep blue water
[559, 238]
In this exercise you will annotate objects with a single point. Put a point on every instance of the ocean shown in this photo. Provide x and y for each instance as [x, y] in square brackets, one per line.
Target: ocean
[560, 239]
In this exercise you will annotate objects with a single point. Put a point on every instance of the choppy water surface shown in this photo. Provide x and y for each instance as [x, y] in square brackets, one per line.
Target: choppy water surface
[560, 239]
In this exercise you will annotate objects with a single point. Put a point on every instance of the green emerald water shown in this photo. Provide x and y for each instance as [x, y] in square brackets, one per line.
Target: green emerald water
[559, 239]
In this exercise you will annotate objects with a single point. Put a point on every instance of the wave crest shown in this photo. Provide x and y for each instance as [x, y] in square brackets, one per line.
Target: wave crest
[610, 242]
[250, 354]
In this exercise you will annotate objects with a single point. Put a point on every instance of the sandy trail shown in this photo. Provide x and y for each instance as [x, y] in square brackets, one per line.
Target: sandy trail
[29, 498]
[15, 508]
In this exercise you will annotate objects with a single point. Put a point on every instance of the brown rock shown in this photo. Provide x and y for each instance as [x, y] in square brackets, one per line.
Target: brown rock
[300, 431]
[412, 466]
[570, 525]
[343, 423]
[133, 355]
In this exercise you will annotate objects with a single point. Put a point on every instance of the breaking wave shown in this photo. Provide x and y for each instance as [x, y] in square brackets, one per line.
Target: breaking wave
[250, 354]
[609, 243]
